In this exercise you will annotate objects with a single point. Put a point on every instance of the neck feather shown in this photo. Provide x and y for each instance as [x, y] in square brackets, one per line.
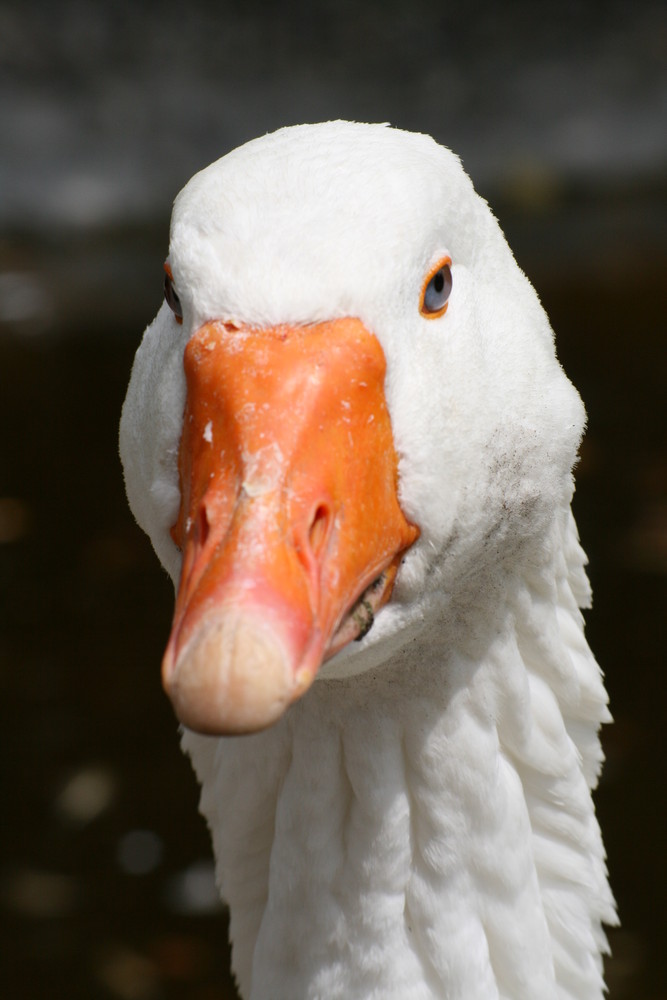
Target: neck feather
[427, 830]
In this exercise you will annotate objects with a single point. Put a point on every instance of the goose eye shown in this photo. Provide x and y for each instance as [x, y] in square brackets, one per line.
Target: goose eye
[437, 290]
[170, 295]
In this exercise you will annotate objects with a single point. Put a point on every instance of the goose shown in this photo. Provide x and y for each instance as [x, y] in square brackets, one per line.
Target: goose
[351, 444]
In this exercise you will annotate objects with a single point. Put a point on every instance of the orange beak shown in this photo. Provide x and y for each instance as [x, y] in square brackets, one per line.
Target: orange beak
[289, 524]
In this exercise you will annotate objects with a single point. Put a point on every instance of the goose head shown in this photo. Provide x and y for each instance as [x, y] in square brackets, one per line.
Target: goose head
[346, 423]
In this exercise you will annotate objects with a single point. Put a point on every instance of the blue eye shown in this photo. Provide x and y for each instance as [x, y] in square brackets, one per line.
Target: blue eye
[437, 290]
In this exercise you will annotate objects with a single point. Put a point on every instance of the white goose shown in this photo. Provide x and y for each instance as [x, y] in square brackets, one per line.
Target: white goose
[419, 824]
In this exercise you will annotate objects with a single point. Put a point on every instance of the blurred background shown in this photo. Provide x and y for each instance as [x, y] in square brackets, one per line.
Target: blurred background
[559, 111]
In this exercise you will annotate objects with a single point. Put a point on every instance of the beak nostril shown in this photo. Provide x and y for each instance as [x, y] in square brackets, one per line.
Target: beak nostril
[319, 528]
[203, 526]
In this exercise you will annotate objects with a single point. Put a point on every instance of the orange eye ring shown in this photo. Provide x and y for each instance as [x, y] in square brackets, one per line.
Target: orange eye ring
[436, 289]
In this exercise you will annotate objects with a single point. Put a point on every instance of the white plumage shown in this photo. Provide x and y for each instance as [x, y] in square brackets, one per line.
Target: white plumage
[420, 823]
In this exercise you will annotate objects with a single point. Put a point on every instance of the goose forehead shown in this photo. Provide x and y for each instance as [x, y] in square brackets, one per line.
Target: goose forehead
[321, 192]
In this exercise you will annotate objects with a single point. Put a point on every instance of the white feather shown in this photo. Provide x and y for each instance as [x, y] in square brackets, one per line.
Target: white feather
[420, 824]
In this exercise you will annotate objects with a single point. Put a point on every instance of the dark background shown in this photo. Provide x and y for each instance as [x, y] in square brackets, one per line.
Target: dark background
[559, 111]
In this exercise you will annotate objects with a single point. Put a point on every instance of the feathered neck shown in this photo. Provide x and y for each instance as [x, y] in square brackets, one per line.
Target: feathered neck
[427, 830]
